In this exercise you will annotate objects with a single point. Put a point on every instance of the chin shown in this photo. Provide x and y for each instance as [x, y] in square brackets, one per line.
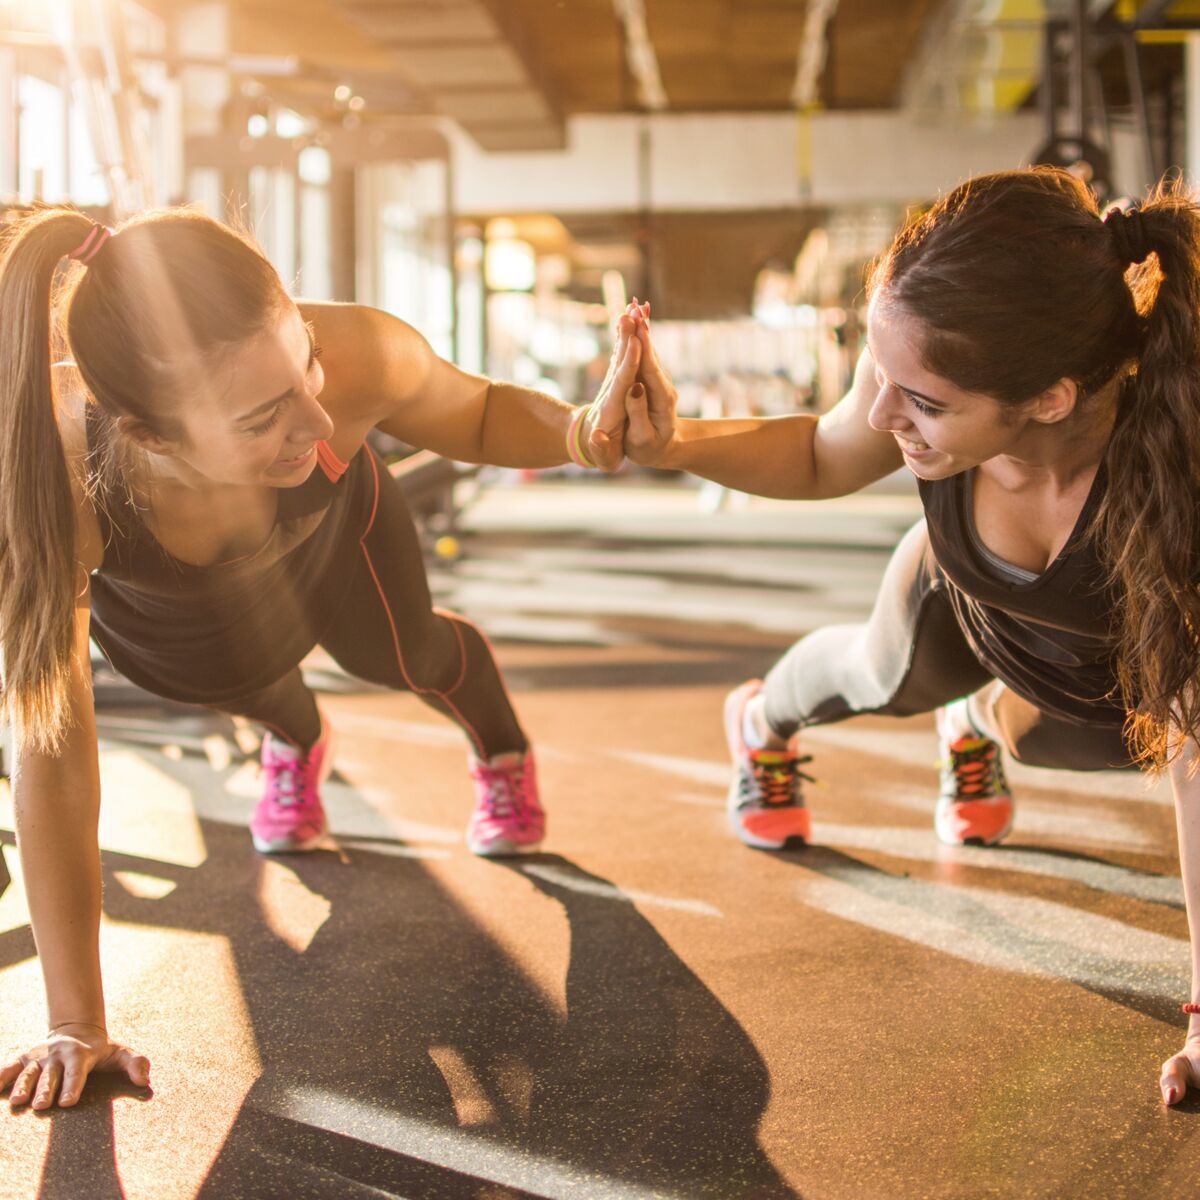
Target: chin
[286, 477]
[940, 467]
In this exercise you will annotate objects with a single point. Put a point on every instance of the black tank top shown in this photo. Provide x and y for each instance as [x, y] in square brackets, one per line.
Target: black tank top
[1052, 640]
[215, 633]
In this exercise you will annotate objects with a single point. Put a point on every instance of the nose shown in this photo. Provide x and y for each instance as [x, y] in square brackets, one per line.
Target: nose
[887, 414]
[882, 417]
[315, 423]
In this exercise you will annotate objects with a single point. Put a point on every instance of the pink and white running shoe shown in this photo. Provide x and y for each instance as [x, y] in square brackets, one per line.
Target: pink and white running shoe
[508, 819]
[289, 819]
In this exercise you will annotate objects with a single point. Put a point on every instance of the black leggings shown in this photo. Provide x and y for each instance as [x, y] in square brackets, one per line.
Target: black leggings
[911, 657]
[388, 632]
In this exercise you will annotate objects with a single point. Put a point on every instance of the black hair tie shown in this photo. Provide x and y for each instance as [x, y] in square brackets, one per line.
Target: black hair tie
[1129, 234]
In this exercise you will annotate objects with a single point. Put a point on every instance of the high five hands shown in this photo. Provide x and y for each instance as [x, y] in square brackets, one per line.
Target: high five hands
[603, 436]
[650, 403]
[634, 413]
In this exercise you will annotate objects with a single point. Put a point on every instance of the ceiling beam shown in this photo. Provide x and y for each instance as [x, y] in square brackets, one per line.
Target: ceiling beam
[640, 55]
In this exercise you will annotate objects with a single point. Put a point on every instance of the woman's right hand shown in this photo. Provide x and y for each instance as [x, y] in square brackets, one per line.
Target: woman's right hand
[59, 1066]
[650, 404]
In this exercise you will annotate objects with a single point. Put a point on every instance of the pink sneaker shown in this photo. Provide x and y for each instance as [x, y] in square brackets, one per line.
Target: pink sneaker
[508, 818]
[289, 818]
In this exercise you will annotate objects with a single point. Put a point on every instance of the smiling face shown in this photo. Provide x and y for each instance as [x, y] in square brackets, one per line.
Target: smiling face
[260, 420]
[940, 428]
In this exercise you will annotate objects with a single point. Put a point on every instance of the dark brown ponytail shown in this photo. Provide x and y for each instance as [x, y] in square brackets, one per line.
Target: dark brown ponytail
[39, 577]
[1149, 523]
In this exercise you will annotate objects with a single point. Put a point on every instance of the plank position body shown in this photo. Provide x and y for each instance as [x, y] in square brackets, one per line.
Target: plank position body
[192, 488]
[1047, 398]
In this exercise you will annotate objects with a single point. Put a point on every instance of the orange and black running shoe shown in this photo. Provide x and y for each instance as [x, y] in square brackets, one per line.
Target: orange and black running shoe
[975, 807]
[766, 795]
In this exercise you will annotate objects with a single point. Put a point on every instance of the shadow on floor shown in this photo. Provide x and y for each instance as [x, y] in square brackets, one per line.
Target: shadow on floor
[1149, 988]
[405, 1052]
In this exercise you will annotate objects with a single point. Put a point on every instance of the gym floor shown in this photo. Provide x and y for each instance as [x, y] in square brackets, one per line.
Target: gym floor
[646, 1009]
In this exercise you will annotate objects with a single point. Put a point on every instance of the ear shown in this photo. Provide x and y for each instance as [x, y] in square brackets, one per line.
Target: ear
[1056, 403]
[142, 436]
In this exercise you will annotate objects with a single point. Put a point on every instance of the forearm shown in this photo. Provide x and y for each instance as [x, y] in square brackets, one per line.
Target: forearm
[523, 428]
[57, 810]
[767, 456]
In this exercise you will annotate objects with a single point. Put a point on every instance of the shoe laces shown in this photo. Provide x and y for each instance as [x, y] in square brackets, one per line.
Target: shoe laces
[776, 776]
[976, 771]
[289, 778]
[504, 787]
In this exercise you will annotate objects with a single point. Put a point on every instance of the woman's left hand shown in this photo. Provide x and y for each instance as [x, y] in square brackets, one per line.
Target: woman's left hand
[1181, 1071]
[603, 433]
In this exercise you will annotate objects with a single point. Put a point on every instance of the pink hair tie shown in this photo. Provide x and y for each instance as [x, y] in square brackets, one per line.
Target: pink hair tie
[91, 245]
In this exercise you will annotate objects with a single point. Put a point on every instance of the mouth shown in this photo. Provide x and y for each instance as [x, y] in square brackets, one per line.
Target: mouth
[910, 447]
[298, 461]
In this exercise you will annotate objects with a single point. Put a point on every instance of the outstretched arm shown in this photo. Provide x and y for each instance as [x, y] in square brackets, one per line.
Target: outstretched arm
[1182, 1070]
[57, 801]
[386, 374]
[796, 457]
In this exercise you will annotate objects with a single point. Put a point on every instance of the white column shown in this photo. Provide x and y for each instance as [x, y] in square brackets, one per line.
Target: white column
[202, 30]
[1191, 74]
[8, 125]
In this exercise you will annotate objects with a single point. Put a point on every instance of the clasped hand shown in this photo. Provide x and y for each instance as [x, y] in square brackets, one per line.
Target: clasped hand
[634, 413]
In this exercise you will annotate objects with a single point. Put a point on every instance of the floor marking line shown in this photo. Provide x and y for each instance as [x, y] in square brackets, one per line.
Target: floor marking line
[609, 891]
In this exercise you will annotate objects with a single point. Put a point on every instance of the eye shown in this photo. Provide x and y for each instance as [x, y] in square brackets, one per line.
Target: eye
[316, 353]
[920, 405]
[268, 424]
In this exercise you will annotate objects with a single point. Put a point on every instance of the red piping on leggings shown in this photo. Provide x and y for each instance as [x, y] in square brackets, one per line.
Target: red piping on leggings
[483, 637]
[444, 697]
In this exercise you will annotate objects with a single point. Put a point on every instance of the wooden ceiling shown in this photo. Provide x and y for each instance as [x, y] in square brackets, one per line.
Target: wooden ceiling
[721, 55]
[510, 71]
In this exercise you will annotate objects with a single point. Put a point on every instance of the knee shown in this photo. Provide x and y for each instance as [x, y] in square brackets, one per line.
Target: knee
[435, 659]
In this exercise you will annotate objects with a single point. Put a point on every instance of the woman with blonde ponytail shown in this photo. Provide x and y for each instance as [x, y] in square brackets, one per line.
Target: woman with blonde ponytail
[184, 478]
[1036, 366]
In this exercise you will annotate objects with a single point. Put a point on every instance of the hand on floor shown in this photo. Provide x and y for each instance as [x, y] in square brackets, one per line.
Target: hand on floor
[58, 1068]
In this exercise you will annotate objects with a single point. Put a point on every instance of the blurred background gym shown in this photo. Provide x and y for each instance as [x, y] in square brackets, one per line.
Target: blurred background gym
[652, 1010]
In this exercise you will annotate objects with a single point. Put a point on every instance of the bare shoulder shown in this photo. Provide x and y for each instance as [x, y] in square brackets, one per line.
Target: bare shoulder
[371, 358]
[71, 400]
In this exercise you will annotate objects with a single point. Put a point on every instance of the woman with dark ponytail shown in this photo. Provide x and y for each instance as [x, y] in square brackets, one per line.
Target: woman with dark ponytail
[184, 478]
[1037, 367]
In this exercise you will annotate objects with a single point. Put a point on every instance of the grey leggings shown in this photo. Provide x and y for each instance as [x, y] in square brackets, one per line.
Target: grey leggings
[911, 657]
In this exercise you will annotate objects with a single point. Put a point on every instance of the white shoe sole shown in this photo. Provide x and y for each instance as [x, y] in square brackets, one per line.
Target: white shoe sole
[749, 839]
[502, 848]
[288, 845]
[947, 837]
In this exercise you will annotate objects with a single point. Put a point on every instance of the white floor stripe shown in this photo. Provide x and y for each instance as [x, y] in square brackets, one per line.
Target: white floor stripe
[454, 1149]
[922, 846]
[1159, 970]
[391, 850]
[608, 891]
[694, 770]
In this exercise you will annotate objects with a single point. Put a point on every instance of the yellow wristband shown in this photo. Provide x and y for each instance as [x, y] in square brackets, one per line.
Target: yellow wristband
[575, 450]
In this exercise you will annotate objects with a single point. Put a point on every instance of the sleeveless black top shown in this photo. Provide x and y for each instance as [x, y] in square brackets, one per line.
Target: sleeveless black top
[1052, 640]
[216, 633]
